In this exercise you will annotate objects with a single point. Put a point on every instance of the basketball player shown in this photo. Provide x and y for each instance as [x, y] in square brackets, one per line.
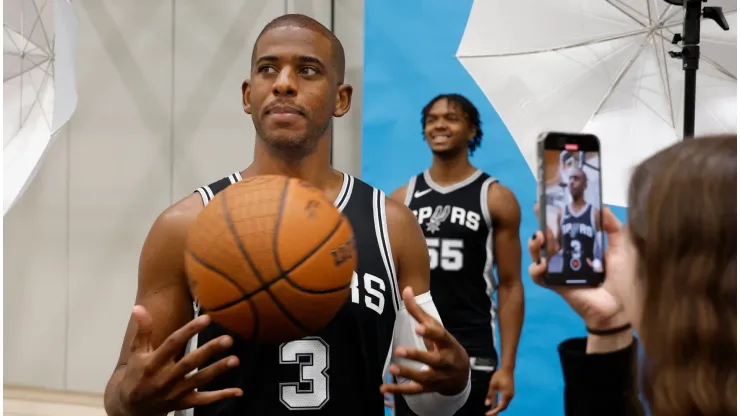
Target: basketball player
[296, 86]
[466, 217]
[579, 222]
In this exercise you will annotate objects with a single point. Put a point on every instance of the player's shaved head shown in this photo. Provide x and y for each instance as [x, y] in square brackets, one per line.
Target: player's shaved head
[305, 22]
[578, 172]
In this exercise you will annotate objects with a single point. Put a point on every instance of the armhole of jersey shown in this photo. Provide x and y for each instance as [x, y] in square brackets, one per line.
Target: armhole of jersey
[205, 194]
[381, 234]
[235, 177]
[488, 276]
[348, 183]
[484, 201]
[410, 190]
[593, 217]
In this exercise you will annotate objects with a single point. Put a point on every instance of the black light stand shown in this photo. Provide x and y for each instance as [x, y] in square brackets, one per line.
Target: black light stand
[690, 52]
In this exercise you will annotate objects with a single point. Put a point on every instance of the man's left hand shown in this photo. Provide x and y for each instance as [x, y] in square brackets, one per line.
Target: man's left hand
[502, 383]
[447, 364]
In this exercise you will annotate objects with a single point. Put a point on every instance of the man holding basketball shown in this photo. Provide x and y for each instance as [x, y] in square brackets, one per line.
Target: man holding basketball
[577, 233]
[296, 87]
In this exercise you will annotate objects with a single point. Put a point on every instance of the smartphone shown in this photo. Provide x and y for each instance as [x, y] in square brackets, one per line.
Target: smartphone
[570, 205]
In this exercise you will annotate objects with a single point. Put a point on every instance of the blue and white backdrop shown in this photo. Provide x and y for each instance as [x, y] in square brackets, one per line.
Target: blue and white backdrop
[531, 66]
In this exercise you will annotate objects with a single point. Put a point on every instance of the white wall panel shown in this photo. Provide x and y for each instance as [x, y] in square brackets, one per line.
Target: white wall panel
[35, 276]
[159, 114]
[349, 27]
[120, 174]
[317, 9]
[213, 47]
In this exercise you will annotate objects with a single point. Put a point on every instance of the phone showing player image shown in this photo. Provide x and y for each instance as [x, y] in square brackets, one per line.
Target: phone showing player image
[569, 195]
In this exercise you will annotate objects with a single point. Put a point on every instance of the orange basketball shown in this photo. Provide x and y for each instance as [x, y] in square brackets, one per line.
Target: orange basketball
[271, 259]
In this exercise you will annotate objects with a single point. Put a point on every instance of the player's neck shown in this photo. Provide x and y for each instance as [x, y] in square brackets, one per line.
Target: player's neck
[313, 167]
[450, 171]
[578, 203]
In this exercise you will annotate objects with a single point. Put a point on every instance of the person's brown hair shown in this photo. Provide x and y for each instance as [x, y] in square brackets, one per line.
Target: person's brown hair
[683, 222]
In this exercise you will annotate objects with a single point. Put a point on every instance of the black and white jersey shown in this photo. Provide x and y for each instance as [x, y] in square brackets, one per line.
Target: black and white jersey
[457, 225]
[339, 369]
[578, 233]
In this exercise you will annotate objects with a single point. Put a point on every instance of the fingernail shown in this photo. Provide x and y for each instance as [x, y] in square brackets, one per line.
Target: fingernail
[239, 393]
[204, 319]
[401, 352]
[420, 330]
[233, 362]
[488, 402]
[394, 370]
[226, 342]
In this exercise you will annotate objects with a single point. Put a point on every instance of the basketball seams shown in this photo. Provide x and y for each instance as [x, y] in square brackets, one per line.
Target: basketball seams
[245, 297]
[286, 274]
[217, 271]
[257, 274]
[278, 220]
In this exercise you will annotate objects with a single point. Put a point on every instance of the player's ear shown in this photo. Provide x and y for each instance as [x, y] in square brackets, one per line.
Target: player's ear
[473, 132]
[246, 90]
[343, 101]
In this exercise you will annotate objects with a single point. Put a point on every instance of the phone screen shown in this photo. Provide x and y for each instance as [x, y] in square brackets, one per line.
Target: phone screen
[572, 197]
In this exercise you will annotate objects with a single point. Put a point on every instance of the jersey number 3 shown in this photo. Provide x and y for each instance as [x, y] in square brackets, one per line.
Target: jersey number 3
[311, 392]
[446, 253]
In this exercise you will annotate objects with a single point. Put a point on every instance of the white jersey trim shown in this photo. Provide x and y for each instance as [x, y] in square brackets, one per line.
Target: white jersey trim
[345, 193]
[484, 201]
[206, 195]
[381, 234]
[454, 187]
[410, 191]
[203, 195]
[488, 275]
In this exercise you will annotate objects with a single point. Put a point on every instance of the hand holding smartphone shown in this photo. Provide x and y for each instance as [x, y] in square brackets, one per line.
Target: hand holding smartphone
[570, 204]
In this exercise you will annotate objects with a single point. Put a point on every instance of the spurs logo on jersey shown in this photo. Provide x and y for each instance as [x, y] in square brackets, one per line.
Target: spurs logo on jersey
[436, 216]
[459, 233]
[339, 367]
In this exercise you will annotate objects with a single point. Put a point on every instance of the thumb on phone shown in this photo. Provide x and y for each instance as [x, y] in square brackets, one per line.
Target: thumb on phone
[142, 341]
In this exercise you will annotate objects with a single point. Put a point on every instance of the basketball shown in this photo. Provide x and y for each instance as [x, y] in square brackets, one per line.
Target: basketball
[270, 259]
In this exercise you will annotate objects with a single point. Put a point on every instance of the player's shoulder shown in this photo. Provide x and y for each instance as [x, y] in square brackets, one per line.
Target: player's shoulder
[399, 194]
[399, 217]
[503, 205]
[177, 219]
[498, 192]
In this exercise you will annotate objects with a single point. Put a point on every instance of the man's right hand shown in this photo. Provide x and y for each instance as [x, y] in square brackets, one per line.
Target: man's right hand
[156, 382]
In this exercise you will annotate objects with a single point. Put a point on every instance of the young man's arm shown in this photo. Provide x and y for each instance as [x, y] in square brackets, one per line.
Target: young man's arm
[506, 217]
[400, 194]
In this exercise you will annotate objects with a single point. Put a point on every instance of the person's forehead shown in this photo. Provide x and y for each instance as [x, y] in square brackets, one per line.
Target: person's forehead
[444, 106]
[291, 41]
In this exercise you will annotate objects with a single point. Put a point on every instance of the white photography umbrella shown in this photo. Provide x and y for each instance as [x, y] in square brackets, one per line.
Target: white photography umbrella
[599, 66]
[39, 94]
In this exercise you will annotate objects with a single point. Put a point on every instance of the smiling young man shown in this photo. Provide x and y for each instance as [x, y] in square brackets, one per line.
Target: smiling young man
[467, 216]
[295, 89]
